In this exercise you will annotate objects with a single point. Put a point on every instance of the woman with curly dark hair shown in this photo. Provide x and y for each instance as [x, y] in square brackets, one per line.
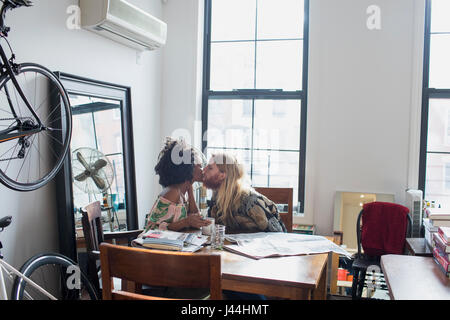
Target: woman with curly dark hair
[178, 167]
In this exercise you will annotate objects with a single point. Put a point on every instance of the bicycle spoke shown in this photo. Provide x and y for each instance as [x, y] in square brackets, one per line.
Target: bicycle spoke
[7, 151]
[9, 101]
[26, 156]
[53, 138]
[9, 162]
[6, 111]
[50, 147]
[35, 88]
[45, 121]
[17, 100]
[29, 168]
[7, 126]
[39, 154]
[51, 94]
[39, 164]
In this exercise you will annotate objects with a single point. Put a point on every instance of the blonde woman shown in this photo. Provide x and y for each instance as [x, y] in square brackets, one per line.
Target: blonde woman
[237, 206]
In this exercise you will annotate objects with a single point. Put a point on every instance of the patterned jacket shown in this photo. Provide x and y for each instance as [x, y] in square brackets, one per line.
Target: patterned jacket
[255, 214]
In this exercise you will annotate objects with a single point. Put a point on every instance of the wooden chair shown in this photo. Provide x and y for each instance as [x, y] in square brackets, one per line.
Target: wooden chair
[280, 196]
[94, 236]
[158, 268]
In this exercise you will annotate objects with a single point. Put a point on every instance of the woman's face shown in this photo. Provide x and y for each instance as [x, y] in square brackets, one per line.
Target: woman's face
[198, 173]
[212, 177]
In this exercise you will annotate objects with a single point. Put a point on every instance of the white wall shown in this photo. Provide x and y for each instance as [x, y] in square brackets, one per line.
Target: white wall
[39, 34]
[360, 101]
[182, 70]
[364, 93]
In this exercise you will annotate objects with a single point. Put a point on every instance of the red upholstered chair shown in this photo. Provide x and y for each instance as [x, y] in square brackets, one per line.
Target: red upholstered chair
[381, 228]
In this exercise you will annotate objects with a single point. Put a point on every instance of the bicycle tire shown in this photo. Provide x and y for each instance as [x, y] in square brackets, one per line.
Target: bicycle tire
[61, 150]
[41, 260]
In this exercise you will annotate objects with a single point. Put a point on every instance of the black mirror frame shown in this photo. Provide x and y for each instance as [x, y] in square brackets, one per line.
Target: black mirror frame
[66, 218]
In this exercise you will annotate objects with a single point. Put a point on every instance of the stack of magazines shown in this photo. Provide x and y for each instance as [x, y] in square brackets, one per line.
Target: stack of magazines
[171, 240]
[441, 250]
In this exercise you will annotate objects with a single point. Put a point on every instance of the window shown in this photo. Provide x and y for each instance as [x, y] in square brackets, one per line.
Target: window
[254, 88]
[434, 175]
[98, 124]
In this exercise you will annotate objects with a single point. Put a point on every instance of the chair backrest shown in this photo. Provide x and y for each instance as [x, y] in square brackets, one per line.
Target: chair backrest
[361, 213]
[280, 196]
[158, 268]
[92, 226]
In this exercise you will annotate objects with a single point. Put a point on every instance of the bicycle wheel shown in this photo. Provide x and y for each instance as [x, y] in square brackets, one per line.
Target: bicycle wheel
[29, 162]
[56, 274]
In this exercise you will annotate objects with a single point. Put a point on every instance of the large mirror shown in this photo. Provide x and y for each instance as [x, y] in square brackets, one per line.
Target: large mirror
[100, 166]
[347, 207]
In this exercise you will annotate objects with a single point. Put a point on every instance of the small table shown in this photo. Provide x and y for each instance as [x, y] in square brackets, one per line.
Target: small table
[418, 247]
[414, 278]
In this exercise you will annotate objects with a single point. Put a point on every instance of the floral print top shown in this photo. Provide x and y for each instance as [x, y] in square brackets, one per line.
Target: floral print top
[163, 213]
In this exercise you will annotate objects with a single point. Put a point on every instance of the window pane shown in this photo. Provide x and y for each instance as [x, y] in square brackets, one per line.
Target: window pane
[280, 19]
[233, 20]
[276, 169]
[437, 179]
[118, 189]
[84, 125]
[277, 124]
[439, 61]
[439, 16]
[279, 65]
[229, 123]
[439, 125]
[232, 65]
[109, 131]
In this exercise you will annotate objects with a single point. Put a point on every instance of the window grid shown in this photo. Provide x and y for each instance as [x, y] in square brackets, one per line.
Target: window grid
[258, 94]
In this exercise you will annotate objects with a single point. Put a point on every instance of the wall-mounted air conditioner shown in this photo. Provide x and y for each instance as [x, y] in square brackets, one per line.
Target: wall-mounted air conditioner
[123, 22]
[414, 203]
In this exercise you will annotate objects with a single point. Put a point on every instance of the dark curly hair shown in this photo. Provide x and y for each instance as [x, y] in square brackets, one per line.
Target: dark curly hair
[176, 162]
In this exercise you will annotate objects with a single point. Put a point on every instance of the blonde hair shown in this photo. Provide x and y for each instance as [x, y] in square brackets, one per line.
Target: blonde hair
[232, 188]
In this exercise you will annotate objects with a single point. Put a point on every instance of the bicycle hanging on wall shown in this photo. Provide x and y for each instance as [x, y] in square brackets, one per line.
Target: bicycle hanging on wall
[35, 133]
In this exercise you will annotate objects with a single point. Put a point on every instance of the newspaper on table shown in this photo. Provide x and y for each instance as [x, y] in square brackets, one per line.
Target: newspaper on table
[275, 244]
[191, 241]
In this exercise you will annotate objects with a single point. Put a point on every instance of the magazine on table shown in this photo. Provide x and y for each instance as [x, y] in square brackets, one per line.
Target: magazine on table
[171, 240]
[276, 244]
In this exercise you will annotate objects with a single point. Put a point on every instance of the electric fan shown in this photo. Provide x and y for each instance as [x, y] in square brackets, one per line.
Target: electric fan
[92, 174]
[92, 171]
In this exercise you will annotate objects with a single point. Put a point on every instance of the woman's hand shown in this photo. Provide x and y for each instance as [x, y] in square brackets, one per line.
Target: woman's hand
[195, 220]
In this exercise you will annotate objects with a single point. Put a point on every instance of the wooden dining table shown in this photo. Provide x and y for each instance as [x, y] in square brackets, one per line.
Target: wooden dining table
[290, 277]
[293, 277]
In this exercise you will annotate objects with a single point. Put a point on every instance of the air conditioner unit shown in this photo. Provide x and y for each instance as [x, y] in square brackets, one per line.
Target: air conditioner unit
[414, 203]
[124, 23]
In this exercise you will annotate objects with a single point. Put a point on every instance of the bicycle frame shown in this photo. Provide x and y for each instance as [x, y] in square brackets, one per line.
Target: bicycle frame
[10, 68]
[9, 134]
[11, 270]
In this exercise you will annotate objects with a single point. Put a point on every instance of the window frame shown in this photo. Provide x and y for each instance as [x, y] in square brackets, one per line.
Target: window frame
[427, 94]
[258, 94]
